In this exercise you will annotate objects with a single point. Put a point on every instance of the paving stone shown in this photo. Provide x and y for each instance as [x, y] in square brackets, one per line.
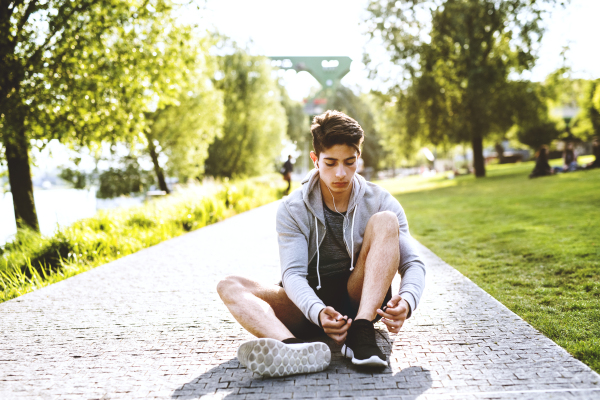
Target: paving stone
[151, 325]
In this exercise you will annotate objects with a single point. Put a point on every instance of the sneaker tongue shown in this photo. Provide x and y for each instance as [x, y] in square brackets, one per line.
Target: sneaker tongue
[364, 331]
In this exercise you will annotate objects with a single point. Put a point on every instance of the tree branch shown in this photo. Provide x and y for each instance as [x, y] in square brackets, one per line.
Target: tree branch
[31, 7]
[55, 30]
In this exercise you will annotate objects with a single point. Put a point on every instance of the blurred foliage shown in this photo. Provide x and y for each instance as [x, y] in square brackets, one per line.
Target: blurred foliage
[400, 147]
[358, 107]
[567, 94]
[255, 121]
[187, 119]
[126, 180]
[184, 131]
[532, 122]
[84, 78]
[537, 135]
[76, 178]
[298, 123]
[587, 122]
[456, 65]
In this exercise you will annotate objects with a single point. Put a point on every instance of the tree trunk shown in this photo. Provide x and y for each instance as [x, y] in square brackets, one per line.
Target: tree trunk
[478, 160]
[160, 176]
[19, 175]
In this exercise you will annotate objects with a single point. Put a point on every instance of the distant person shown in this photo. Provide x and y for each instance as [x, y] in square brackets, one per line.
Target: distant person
[542, 167]
[500, 153]
[286, 171]
[569, 158]
[596, 153]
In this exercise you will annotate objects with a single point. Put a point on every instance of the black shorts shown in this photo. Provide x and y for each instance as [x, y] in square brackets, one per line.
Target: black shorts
[334, 293]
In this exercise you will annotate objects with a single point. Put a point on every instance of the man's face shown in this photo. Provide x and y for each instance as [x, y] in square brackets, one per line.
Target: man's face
[337, 166]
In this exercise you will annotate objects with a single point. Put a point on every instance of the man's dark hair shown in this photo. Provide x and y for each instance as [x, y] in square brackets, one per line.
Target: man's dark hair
[334, 127]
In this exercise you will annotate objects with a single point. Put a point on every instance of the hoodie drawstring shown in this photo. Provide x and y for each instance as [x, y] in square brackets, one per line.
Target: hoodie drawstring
[352, 239]
[317, 230]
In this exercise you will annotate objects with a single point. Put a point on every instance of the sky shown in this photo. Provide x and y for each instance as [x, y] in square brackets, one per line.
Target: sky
[334, 28]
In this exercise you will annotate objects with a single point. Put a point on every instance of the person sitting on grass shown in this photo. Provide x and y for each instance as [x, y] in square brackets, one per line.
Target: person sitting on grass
[542, 167]
[341, 242]
[569, 160]
[596, 153]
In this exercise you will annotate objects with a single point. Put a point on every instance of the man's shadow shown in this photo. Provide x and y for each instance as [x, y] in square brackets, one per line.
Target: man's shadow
[342, 377]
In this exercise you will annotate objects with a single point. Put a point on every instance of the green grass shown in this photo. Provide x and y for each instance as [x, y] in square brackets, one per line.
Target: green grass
[533, 244]
[31, 261]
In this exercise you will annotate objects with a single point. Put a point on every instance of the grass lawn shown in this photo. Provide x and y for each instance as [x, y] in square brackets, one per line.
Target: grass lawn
[533, 244]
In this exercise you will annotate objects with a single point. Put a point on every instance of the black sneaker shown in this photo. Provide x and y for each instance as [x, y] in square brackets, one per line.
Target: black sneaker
[272, 358]
[361, 345]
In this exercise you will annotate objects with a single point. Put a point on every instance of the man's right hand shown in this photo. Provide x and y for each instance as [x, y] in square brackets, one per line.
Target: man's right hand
[334, 324]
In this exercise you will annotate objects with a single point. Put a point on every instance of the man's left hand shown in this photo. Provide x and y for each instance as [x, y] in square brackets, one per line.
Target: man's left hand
[395, 314]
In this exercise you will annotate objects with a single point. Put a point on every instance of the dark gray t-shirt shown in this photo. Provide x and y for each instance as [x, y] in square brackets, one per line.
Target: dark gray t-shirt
[334, 257]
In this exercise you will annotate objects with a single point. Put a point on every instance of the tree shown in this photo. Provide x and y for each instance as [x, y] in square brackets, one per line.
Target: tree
[532, 123]
[594, 109]
[183, 132]
[189, 115]
[392, 125]
[571, 103]
[255, 121]
[355, 106]
[125, 179]
[457, 63]
[68, 72]
[587, 123]
[298, 126]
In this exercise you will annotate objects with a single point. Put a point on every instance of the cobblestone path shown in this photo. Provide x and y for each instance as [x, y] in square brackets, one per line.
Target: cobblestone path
[151, 325]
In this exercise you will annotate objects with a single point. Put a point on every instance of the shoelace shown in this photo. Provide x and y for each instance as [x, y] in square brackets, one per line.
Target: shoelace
[384, 338]
[381, 334]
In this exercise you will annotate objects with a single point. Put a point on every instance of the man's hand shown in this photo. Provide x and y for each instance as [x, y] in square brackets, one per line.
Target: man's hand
[334, 324]
[395, 314]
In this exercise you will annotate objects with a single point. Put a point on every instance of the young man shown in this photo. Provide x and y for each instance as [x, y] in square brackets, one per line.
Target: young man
[341, 242]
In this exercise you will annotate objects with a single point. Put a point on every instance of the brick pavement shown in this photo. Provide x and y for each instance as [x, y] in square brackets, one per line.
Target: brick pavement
[150, 325]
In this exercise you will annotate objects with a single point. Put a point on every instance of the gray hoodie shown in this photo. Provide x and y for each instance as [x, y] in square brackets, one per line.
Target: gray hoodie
[301, 223]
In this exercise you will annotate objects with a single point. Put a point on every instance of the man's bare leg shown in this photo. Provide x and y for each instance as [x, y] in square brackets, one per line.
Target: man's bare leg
[267, 312]
[376, 266]
[264, 311]
[367, 286]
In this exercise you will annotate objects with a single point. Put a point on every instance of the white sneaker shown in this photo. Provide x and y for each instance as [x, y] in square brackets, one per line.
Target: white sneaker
[273, 358]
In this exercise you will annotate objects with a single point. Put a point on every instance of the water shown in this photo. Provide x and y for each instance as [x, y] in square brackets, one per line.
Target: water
[57, 207]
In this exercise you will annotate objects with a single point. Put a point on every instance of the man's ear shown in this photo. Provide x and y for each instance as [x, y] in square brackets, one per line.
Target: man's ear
[314, 157]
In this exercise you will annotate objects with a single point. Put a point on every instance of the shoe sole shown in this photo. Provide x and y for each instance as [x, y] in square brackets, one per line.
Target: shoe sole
[372, 361]
[272, 358]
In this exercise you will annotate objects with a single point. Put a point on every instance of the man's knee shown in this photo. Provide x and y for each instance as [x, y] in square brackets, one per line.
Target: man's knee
[230, 286]
[384, 222]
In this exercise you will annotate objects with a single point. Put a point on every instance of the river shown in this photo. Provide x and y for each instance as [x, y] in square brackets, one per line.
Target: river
[57, 207]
